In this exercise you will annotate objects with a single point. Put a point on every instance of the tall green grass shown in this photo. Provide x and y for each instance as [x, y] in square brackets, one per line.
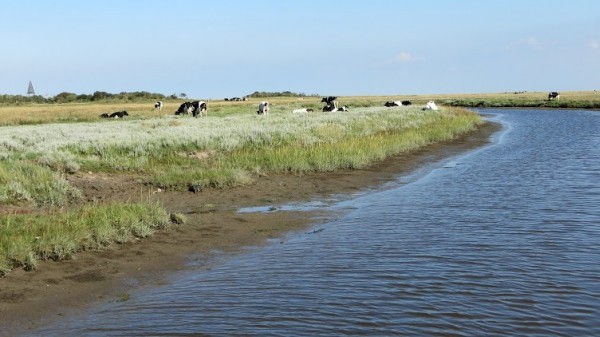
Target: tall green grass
[26, 239]
[24, 181]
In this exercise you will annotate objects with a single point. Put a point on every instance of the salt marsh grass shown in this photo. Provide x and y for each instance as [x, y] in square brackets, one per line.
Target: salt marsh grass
[230, 147]
[23, 181]
[25, 239]
[235, 146]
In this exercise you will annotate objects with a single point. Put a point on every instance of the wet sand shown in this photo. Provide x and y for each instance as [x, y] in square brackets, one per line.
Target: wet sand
[56, 289]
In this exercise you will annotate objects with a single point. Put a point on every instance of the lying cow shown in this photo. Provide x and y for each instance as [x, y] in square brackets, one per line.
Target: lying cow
[118, 114]
[158, 105]
[397, 103]
[304, 110]
[553, 95]
[263, 108]
[329, 108]
[430, 106]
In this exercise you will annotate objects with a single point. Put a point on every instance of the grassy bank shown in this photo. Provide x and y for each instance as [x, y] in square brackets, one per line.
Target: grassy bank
[232, 146]
[26, 239]
[178, 152]
[568, 100]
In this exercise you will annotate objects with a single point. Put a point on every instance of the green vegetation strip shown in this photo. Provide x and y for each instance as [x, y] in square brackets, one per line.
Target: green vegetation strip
[337, 146]
[26, 239]
[24, 181]
[184, 153]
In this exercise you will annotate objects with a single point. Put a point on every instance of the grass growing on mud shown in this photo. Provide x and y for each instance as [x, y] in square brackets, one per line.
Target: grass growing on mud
[226, 149]
[26, 239]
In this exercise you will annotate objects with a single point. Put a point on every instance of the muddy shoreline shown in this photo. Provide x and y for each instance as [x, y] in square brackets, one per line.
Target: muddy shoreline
[58, 289]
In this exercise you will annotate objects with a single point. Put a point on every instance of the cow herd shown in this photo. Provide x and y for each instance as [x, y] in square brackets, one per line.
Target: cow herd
[199, 108]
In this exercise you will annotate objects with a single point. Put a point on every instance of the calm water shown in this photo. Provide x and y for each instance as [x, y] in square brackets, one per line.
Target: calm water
[504, 240]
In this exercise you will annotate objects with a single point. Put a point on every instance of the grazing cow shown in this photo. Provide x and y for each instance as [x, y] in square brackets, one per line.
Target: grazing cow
[343, 108]
[304, 110]
[118, 114]
[406, 103]
[430, 106]
[185, 109]
[263, 108]
[553, 95]
[198, 108]
[158, 105]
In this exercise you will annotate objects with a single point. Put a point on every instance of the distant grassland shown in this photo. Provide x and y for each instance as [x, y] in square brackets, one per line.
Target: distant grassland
[568, 100]
[81, 112]
[40, 144]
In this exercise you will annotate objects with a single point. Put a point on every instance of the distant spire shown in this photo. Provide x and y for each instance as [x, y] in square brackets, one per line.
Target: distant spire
[30, 90]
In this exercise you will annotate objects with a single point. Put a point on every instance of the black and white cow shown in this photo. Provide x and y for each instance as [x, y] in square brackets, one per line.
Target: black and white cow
[331, 103]
[158, 105]
[553, 95]
[118, 114]
[263, 108]
[329, 108]
[185, 109]
[397, 103]
[199, 108]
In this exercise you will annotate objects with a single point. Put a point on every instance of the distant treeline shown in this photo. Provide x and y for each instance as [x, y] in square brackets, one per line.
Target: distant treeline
[263, 94]
[102, 96]
[98, 96]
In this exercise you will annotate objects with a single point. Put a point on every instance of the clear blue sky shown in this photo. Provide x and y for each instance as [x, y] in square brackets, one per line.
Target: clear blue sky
[226, 48]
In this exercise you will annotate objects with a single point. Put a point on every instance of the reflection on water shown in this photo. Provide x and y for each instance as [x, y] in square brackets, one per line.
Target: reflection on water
[501, 241]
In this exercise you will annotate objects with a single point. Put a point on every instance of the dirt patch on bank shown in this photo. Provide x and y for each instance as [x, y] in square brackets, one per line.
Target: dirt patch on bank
[56, 289]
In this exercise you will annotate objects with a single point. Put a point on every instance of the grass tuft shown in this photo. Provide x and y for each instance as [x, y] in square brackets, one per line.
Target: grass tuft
[25, 239]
